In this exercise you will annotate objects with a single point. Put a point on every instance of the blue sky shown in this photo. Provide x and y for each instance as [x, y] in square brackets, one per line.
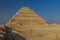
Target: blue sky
[47, 9]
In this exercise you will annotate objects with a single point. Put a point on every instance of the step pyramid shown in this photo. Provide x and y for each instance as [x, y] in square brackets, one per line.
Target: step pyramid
[24, 21]
[27, 17]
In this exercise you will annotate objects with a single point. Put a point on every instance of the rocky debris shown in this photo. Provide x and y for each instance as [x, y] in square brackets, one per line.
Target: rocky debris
[7, 34]
[2, 32]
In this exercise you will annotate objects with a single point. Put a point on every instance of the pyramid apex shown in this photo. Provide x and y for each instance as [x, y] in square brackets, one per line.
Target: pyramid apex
[25, 8]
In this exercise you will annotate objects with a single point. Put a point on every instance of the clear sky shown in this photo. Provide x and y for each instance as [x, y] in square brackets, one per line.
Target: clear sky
[47, 9]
